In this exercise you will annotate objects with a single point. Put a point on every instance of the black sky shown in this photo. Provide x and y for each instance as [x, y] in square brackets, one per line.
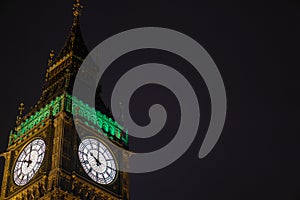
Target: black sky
[255, 46]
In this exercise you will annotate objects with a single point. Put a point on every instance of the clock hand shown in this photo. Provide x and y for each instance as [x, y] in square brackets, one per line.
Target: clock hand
[98, 150]
[28, 163]
[97, 161]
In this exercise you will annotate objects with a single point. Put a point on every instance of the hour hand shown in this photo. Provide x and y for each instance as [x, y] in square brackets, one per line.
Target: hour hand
[27, 161]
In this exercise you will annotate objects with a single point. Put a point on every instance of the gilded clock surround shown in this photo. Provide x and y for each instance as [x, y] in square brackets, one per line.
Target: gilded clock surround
[109, 149]
[61, 175]
[17, 160]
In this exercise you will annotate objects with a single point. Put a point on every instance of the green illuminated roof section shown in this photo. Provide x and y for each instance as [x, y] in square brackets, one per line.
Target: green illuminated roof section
[91, 117]
[22, 130]
[96, 119]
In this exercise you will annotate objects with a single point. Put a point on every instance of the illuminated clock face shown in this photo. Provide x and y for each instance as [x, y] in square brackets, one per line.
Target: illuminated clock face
[97, 161]
[29, 162]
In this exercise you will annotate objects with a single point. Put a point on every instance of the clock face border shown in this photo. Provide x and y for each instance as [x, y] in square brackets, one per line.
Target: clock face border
[112, 154]
[18, 157]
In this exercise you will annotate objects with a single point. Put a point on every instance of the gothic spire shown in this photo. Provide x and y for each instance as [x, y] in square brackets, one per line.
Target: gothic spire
[74, 43]
[62, 67]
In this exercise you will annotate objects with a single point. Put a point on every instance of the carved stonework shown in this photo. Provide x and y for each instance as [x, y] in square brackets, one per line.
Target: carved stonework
[60, 174]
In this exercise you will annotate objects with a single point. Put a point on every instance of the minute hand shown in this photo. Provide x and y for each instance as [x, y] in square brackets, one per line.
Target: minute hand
[97, 161]
[29, 161]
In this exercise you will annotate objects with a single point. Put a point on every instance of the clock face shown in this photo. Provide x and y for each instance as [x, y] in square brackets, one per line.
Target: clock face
[29, 162]
[97, 161]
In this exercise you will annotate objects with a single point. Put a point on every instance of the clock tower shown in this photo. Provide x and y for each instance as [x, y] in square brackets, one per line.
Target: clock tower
[47, 157]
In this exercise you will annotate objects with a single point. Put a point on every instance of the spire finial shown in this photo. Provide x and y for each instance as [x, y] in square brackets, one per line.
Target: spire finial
[77, 8]
[51, 56]
[21, 109]
[19, 117]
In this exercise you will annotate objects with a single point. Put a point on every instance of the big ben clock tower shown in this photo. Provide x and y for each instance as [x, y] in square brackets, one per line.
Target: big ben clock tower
[46, 157]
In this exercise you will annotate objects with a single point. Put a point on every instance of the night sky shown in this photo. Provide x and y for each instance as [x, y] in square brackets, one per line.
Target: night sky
[255, 46]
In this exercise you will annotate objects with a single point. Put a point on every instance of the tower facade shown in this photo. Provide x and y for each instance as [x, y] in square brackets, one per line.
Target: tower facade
[47, 157]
